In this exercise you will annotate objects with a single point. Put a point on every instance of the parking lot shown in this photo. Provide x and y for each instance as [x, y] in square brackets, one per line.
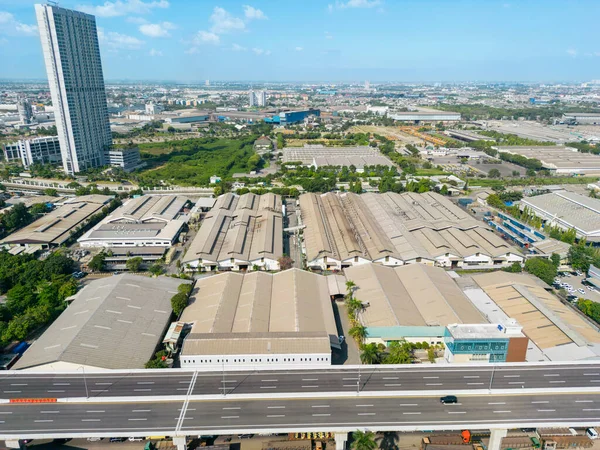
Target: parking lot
[576, 282]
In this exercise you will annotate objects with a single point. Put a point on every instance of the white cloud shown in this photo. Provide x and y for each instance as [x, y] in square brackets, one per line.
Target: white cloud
[117, 41]
[224, 22]
[354, 4]
[238, 48]
[12, 27]
[157, 29]
[206, 37]
[260, 51]
[253, 13]
[154, 52]
[299, 49]
[123, 7]
[572, 52]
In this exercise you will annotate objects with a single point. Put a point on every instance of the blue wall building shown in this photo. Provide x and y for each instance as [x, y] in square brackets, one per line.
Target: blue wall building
[290, 117]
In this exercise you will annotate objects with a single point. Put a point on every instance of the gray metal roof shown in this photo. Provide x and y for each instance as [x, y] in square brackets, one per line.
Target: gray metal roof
[113, 323]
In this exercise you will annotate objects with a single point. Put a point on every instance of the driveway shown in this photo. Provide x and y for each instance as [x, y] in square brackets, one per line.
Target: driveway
[349, 354]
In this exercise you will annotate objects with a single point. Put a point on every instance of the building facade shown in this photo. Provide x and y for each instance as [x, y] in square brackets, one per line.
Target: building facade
[126, 158]
[43, 150]
[258, 98]
[72, 57]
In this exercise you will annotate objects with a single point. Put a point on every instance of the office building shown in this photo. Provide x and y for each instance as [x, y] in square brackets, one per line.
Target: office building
[72, 57]
[42, 150]
[153, 108]
[259, 320]
[113, 323]
[291, 117]
[127, 158]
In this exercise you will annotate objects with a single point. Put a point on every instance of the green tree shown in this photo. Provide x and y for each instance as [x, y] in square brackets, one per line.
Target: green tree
[358, 333]
[96, 264]
[178, 303]
[370, 354]
[514, 268]
[57, 264]
[581, 256]
[51, 192]
[19, 298]
[134, 264]
[399, 352]
[555, 258]
[444, 190]
[38, 209]
[363, 440]
[494, 173]
[350, 287]
[17, 217]
[542, 268]
[156, 268]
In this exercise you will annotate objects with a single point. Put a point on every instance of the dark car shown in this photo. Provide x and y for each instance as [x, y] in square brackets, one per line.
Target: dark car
[245, 436]
[118, 439]
[448, 399]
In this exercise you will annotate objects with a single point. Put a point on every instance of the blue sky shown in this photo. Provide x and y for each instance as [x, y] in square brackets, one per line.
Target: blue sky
[328, 40]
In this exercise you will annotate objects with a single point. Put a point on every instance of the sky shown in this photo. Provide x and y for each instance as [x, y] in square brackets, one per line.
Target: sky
[324, 40]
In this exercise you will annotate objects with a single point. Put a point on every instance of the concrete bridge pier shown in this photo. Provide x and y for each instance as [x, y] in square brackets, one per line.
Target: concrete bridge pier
[495, 438]
[340, 441]
[180, 442]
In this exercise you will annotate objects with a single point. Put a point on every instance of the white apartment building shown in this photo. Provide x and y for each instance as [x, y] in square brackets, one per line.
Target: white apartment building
[258, 98]
[43, 150]
[72, 57]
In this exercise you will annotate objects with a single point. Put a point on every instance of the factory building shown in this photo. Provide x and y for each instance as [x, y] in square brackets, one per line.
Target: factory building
[425, 116]
[557, 159]
[320, 156]
[582, 118]
[291, 117]
[239, 233]
[419, 303]
[567, 210]
[56, 227]
[256, 320]
[40, 150]
[113, 323]
[146, 221]
[347, 229]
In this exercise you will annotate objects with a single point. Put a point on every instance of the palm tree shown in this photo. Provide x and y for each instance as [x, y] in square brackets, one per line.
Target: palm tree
[353, 305]
[388, 440]
[350, 286]
[358, 333]
[363, 440]
[370, 354]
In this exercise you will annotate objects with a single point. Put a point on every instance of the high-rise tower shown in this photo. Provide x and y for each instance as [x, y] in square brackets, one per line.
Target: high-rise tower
[72, 56]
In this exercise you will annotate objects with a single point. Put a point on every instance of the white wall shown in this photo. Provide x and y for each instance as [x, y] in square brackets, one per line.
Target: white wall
[252, 362]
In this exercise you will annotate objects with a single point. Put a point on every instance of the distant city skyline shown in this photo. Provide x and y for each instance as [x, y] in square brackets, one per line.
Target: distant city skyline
[337, 40]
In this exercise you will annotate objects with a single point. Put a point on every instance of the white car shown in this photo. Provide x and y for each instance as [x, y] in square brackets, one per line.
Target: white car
[581, 291]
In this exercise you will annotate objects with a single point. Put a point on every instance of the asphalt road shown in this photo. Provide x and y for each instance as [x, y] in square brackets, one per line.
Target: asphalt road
[287, 415]
[367, 379]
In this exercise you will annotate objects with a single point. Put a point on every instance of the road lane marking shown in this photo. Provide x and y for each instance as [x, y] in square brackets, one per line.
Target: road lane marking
[310, 387]
[389, 378]
[544, 401]
[185, 389]
[516, 382]
[54, 391]
[262, 387]
[145, 382]
[434, 384]
[137, 419]
[558, 381]
[430, 378]
[320, 406]
[409, 404]
[502, 412]
[90, 420]
[49, 412]
[96, 411]
[584, 401]
[591, 374]
[346, 379]
[321, 415]
[230, 417]
[471, 376]
[366, 414]
[552, 374]
[591, 409]
[266, 381]
[228, 381]
[595, 381]
[184, 382]
[349, 385]
[142, 390]
[457, 412]
[5, 412]
[546, 410]
[275, 407]
[141, 410]
[310, 379]
[276, 415]
[103, 384]
[44, 420]
[18, 384]
[392, 385]
[12, 392]
[232, 407]
[406, 413]
[511, 376]
[363, 406]
[474, 384]
[61, 384]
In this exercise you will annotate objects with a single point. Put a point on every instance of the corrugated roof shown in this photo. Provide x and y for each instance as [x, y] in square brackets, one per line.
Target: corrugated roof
[113, 323]
[149, 208]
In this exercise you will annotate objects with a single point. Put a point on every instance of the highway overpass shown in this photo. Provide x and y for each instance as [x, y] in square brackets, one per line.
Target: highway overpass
[403, 398]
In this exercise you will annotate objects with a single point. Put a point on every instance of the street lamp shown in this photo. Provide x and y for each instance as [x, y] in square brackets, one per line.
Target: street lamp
[87, 395]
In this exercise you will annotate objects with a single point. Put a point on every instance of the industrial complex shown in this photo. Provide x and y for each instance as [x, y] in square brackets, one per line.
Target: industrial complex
[346, 229]
[239, 233]
[558, 159]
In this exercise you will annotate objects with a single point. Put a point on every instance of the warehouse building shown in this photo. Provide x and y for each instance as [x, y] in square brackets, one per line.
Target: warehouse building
[56, 227]
[113, 323]
[420, 303]
[320, 156]
[239, 233]
[146, 221]
[256, 320]
[343, 230]
[555, 330]
[425, 116]
[567, 210]
[582, 118]
[558, 159]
